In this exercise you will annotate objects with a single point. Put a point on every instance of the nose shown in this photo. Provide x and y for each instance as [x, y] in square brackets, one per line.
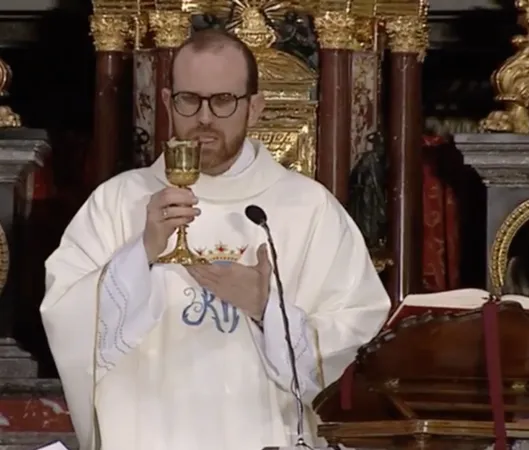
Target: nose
[205, 115]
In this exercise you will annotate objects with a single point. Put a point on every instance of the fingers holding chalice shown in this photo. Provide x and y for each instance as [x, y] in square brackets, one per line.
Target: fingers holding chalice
[182, 169]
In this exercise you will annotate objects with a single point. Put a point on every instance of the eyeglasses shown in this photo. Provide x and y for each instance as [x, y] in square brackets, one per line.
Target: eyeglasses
[222, 105]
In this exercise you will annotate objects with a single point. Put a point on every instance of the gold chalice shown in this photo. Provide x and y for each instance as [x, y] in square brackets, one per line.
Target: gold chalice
[182, 169]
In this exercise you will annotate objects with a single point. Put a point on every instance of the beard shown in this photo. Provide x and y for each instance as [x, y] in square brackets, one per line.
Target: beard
[218, 155]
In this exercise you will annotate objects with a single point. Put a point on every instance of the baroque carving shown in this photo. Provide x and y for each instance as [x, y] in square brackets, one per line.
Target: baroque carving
[288, 125]
[170, 28]
[335, 30]
[295, 34]
[407, 34]
[499, 254]
[511, 83]
[111, 32]
[8, 119]
[368, 193]
[345, 24]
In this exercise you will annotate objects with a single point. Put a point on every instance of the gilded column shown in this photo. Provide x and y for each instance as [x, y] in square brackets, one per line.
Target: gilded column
[171, 28]
[407, 42]
[334, 110]
[112, 88]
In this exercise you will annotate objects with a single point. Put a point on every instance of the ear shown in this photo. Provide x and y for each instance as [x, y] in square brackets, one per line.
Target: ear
[257, 104]
[168, 102]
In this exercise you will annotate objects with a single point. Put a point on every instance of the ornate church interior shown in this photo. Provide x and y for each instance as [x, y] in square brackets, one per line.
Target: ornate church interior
[414, 114]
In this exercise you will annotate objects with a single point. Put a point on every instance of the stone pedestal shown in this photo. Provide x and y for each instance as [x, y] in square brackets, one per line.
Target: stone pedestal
[20, 151]
[502, 162]
[32, 410]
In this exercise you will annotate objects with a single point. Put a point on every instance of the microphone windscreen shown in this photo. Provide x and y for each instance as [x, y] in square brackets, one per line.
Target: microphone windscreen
[255, 214]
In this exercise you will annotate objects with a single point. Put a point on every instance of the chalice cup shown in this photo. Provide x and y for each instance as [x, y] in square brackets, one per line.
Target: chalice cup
[182, 169]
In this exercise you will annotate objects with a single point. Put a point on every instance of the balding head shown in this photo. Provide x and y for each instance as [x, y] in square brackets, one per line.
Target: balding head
[216, 41]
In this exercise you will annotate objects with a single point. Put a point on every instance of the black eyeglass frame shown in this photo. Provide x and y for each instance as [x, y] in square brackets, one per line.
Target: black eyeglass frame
[208, 99]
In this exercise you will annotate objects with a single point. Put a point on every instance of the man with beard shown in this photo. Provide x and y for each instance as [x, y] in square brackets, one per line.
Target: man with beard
[195, 357]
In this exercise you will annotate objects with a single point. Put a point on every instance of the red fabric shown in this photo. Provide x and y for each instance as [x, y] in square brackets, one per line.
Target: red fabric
[493, 357]
[440, 216]
[44, 184]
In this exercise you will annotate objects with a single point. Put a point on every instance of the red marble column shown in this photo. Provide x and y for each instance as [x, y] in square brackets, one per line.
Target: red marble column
[112, 89]
[334, 122]
[333, 162]
[405, 158]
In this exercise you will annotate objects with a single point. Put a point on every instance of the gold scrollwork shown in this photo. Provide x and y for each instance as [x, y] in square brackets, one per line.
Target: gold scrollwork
[4, 259]
[8, 119]
[511, 83]
[111, 32]
[500, 248]
[170, 28]
[407, 34]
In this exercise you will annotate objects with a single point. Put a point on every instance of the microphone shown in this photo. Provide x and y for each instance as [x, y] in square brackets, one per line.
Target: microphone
[258, 216]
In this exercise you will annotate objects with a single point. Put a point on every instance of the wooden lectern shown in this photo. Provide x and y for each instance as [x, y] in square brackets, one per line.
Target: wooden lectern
[451, 380]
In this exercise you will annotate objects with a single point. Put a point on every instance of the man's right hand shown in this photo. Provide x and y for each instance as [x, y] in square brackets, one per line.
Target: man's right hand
[166, 211]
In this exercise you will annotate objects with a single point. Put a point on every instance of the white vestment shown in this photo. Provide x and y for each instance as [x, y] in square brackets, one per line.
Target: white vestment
[178, 368]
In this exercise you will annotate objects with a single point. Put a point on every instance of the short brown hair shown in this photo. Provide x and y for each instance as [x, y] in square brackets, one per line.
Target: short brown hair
[216, 39]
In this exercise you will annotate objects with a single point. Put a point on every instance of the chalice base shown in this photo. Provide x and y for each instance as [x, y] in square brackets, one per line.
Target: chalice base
[182, 256]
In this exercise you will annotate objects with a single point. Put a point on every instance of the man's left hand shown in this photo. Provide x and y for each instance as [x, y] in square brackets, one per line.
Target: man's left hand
[245, 287]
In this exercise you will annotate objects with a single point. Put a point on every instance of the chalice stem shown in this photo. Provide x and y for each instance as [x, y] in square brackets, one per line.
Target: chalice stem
[181, 239]
[181, 253]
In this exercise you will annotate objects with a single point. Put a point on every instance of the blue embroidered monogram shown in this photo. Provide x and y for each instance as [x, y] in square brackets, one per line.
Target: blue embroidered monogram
[206, 306]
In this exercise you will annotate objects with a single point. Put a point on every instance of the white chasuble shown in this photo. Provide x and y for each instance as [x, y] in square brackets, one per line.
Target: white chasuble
[178, 368]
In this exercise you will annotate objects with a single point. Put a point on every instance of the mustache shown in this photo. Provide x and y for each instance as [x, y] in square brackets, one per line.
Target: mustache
[204, 132]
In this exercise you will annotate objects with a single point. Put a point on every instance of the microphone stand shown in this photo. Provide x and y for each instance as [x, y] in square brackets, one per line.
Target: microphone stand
[296, 390]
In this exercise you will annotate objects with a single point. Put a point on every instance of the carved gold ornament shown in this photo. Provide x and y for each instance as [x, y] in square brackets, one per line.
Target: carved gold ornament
[407, 34]
[4, 259]
[288, 124]
[335, 31]
[500, 248]
[336, 24]
[111, 32]
[170, 28]
[511, 84]
[8, 119]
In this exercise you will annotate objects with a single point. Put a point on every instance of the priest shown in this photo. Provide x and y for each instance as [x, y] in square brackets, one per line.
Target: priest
[159, 356]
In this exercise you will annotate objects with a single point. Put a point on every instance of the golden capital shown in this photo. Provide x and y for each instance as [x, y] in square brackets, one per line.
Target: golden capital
[170, 28]
[407, 34]
[335, 30]
[110, 32]
[364, 33]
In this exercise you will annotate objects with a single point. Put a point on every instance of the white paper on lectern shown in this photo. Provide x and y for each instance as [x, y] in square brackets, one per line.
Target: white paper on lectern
[55, 446]
[301, 447]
